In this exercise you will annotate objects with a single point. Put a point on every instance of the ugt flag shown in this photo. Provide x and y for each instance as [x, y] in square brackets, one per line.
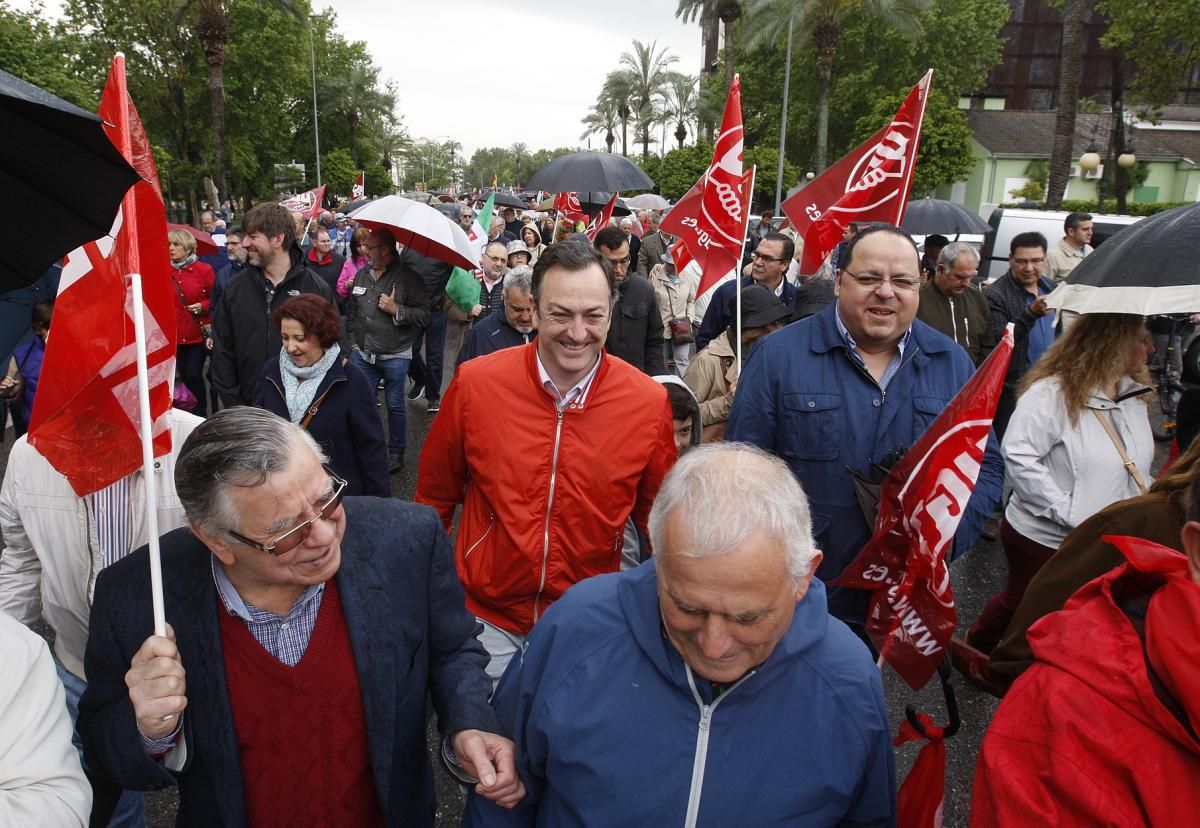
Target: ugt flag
[601, 219]
[360, 185]
[85, 418]
[711, 218]
[911, 614]
[568, 207]
[870, 184]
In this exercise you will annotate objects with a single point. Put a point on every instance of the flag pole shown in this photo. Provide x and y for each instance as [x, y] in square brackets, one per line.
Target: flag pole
[737, 268]
[149, 481]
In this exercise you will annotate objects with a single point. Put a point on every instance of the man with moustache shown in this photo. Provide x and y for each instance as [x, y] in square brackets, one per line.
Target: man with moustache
[852, 386]
[537, 445]
[511, 325]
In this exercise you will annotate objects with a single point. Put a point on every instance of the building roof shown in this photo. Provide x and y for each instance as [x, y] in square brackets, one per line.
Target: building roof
[1030, 133]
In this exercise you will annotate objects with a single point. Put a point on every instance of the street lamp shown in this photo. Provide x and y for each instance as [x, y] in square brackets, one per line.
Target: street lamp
[1126, 160]
[1089, 161]
[312, 52]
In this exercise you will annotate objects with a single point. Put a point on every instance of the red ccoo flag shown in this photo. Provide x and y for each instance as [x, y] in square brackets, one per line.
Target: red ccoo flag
[711, 217]
[871, 184]
[308, 203]
[360, 185]
[600, 220]
[911, 615]
[85, 417]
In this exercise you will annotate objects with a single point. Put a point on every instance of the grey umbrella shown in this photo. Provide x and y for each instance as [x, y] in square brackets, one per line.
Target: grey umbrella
[932, 215]
[1148, 268]
[57, 163]
[589, 172]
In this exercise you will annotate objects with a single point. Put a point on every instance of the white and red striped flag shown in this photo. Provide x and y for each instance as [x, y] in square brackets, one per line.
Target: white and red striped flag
[86, 414]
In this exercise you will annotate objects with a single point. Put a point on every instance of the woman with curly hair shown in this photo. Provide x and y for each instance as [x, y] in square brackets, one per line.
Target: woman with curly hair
[311, 383]
[1078, 441]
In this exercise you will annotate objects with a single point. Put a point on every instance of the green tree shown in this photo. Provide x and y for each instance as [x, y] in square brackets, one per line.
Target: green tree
[45, 54]
[618, 91]
[1161, 37]
[520, 154]
[726, 11]
[355, 95]
[648, 69]
[679, 169]
[682, 103]
[338, 171]
[766, 158]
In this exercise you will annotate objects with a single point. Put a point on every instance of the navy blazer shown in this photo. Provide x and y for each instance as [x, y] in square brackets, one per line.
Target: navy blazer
[409, 630]
[719, 315]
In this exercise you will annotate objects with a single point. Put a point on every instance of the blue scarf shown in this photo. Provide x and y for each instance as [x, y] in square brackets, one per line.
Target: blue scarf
[300, 382]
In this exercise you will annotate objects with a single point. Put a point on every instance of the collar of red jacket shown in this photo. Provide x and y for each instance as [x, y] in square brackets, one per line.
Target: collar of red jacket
[1172, 620]
[313, 257]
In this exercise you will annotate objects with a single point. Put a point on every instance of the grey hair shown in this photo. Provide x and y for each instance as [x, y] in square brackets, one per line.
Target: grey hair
[725, 493]
[239, 446]
[521, 278]
[954, 251]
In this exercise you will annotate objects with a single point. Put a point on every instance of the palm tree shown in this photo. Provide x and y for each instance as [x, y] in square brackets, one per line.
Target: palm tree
[356, 96]
[454, 149]
[682, 102]
[618, 88]
[520, 153]
[727, 11]
[823, 22]
[1062, 147]
[212, 33]
[648, 70]
[601, 120]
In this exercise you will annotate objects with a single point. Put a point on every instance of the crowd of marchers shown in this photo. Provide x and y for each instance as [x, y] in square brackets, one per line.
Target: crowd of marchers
[615, 582]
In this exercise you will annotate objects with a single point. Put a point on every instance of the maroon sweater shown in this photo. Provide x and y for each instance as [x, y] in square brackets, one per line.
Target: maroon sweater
[301, 731]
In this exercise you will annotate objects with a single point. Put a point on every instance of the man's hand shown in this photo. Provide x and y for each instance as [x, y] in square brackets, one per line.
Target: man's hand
[489, 758]
[157, 687]
[475, 311]
[387, 302]
[1038, 308]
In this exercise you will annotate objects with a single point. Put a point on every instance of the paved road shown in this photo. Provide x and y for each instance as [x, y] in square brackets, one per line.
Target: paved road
[975, 577]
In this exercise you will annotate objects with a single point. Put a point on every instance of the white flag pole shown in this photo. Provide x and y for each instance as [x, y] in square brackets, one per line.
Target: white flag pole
[737, 268]
[146, 428]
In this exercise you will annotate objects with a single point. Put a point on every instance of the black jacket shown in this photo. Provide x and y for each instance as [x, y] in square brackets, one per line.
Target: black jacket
[719, 315]
[346, 425]
[1006, 303]
[243, 335]
[329, 271]
[636, 332]
[375, 331]
[492, 333]
[434, 274]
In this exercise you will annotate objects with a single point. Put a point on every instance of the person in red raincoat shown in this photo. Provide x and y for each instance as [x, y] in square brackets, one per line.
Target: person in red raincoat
[1102, 729]
[193, 284]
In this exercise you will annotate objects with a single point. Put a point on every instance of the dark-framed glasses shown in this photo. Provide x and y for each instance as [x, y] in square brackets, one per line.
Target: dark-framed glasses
[299, 533]
[757, 255]
[870, 281]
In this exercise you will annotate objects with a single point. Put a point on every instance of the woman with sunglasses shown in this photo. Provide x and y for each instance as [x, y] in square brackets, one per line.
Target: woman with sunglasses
[310, 383]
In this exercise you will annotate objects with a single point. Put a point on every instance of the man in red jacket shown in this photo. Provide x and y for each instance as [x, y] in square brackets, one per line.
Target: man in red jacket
[551, 448]
[1101, 730]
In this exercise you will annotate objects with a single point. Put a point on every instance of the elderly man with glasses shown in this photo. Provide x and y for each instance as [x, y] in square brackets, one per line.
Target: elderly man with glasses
[307, 630]
[851, 386]
[768, 265]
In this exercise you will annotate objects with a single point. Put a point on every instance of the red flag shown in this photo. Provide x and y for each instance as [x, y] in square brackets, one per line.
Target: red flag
[920, 802]
[680, 254]
[600, 220]
[711, 217]
[911, 616]
[871, 184]
[85, 416]
[308, 203]
[360, 185]
[568, 207]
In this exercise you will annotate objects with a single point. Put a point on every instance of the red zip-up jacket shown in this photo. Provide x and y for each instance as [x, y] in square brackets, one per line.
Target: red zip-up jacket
[545, 494]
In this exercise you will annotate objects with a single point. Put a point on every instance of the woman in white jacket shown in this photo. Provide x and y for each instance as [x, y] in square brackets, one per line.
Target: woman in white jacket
[1078, 441]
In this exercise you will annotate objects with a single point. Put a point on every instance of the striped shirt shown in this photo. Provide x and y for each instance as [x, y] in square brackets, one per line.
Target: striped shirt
[577, 394]
[283, 636]
[893, 366]
[113, 520]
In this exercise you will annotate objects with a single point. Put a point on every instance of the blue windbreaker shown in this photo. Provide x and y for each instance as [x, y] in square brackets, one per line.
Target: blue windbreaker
[803, 398]
[613, 729]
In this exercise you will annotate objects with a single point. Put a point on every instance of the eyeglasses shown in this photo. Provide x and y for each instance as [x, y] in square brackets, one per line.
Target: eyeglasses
[757, 255]
[619, 262]
[299, 533]
[900, 284]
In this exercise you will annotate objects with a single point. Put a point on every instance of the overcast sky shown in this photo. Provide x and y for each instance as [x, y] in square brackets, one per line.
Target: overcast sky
[492, 72]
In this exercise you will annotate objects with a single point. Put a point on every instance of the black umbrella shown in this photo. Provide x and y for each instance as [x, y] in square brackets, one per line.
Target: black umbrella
[926, 216]
[354, 205]
[57, 163]
[503, 200]
[590, 172]
[594, 202]
[1148, 268]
